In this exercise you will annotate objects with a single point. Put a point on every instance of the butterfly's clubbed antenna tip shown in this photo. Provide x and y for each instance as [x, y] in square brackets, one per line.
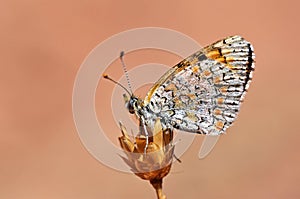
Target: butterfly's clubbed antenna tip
[122, 53]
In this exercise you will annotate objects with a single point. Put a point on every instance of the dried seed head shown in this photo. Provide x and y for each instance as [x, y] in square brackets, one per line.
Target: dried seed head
[156, 163]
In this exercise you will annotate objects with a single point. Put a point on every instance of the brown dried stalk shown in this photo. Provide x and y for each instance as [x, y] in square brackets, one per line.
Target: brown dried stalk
[156, 163]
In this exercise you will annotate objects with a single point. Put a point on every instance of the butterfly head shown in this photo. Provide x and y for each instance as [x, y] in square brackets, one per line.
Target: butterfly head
[131, 103]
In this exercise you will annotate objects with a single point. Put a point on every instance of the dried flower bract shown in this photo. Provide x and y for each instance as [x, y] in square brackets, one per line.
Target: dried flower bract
[155, 163]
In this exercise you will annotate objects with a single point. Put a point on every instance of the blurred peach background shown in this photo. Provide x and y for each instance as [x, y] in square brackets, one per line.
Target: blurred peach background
[43, 44]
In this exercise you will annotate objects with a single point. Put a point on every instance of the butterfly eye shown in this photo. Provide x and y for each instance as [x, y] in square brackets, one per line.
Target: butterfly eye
[131, 104]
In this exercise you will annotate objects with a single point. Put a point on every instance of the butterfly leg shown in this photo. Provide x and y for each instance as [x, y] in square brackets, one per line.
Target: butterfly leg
[145, 132]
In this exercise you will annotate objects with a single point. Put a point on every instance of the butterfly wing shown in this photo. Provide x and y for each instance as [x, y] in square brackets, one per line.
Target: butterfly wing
[203, 93]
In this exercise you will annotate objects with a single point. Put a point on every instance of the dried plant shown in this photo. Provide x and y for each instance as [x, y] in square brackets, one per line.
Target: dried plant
[154, 163]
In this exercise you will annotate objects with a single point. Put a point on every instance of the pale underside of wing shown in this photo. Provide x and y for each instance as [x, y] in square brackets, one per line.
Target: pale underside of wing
[203, 93]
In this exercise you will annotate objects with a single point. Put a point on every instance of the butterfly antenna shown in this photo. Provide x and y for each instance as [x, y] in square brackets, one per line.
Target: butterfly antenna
[107, 77]
[125, 70]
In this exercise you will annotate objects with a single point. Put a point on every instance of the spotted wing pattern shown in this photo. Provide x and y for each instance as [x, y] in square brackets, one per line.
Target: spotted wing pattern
[203, 93]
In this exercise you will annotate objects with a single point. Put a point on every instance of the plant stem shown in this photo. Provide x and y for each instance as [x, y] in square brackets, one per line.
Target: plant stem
[157, 184]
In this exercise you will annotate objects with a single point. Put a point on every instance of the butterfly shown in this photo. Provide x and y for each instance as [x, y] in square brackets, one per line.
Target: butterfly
[202, 93]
